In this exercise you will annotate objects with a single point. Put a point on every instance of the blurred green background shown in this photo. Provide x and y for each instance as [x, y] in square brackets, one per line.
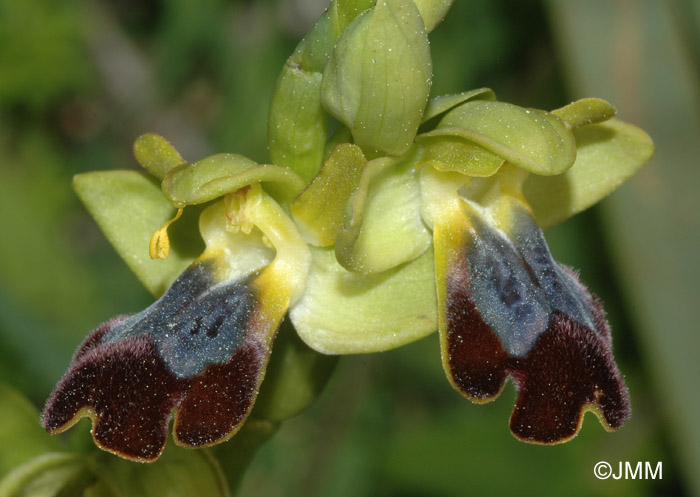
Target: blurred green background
[79, 81]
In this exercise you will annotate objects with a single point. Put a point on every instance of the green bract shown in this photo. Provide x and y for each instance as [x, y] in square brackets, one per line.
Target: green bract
[412, 216]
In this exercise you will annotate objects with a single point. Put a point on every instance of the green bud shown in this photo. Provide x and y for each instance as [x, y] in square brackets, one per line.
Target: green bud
[378, 78]
[433, 11]
[297, 124]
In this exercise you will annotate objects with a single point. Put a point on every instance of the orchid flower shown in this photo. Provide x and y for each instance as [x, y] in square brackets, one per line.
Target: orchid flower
[411, 216]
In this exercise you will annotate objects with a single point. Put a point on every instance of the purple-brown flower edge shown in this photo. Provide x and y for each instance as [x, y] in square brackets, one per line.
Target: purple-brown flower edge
[512, 311]
[192, 352]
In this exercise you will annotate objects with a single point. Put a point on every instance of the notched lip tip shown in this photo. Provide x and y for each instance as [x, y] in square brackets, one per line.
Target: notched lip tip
[586, 408]
[94, 418]
[127, 456]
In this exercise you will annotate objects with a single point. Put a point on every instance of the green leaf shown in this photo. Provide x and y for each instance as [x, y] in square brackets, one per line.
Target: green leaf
[156, 154]
[343, 312]
[52, 474]
[586, 111]
[378, 78]
[607, 155]
[320, 208]
[383, 225]
[444, 103]
[537, 141]
[297, 124]
[236, 455]
[294, 378]
[215, 176]
[129, 207]
[20, 430]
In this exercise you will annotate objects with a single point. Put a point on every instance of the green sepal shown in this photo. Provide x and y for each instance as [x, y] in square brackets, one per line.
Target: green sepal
[297, 123]
[534, 140]
[383, 226]
[444, 103]
[129, 207]
[320, 208]
[215, 176]
[156, 154]
[378, 78]
[586, 111]
[343, 312]
[455, 153]
[608, 154]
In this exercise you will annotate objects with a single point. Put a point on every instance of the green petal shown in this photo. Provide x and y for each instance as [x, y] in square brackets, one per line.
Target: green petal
[215, 176]
[343, 312]
[383, 225]
[297, 124]
[129, 207]
[608, 154]
[534, 140]
[433, 11]
[454, 153]
[156, 154]
[444, 103]
[378, 77]
[586, 111]
[320, 208]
